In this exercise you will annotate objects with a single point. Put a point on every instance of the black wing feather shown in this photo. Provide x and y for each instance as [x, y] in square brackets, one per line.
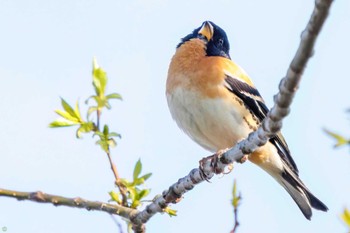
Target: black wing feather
[253, 101]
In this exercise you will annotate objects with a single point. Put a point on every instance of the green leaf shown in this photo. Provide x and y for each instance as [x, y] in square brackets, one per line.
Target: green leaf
[103, 145]
[99, 79]
[94, 64]
[145, 177]
[340, 139]
[68, 108]
[67, 116]
[61, 123]
[137, 169]
[135, 204]
[170, 212]
[236, 198]
[345, 216]
[132, 192]
[77, 111]
[114, 96]
[107, 105]
[105, 130]
[111, 142]
[113, 134]
[115, 197]
[138, 181]
[143, 193]
[86, 127]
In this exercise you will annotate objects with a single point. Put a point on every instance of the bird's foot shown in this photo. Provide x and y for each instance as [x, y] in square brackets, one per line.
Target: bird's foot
[214, 160]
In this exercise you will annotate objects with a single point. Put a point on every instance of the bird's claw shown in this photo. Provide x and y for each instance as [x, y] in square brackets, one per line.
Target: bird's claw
[214, 159]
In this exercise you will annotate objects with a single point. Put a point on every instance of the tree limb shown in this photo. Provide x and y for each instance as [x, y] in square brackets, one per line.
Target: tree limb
[77, 202]
[271, 125]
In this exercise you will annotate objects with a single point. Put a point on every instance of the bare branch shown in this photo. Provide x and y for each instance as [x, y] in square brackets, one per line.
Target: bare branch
[77, 202]
[269, 127]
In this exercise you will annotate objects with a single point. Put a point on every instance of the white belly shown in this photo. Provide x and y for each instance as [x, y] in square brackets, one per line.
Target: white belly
[213, 123]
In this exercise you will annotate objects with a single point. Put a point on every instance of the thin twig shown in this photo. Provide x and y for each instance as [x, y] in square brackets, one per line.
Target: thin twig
[120, 186]
[235, 213]
[117, 223]
[98, 112]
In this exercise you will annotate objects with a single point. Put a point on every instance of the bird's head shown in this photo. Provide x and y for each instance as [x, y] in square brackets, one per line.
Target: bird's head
[213, 37]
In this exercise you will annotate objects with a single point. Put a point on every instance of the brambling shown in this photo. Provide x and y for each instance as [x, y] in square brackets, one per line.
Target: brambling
[215, 103]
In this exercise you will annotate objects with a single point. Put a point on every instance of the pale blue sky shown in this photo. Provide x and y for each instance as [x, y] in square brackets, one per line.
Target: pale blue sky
[46, 52]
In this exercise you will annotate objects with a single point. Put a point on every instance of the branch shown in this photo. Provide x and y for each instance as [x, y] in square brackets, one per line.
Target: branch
[271, 125]
[120, 186]
[77, 202]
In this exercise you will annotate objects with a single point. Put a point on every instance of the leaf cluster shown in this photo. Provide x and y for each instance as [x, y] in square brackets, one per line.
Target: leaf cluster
[135, 190]
[70, 116]
[340, 140]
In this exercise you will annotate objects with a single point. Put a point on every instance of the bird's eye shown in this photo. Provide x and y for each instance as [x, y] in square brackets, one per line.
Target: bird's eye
[220, 41]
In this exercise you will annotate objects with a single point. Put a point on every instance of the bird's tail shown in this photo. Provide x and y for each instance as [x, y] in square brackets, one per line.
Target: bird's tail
[300, 193]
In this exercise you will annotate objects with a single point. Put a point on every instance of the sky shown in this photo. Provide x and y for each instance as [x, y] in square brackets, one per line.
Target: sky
[46, 51]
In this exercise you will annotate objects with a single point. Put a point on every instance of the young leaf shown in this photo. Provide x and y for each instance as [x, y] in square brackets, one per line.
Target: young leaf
[236, 198]
[112, 142]
[105, 130]
[145, 177]
[67, 116]
[99, 79]
[137, 169]
[340, 139]
[345, 216]
[61, 123]
[113, 134]
[143, 193]
[135, 204]
[107, 105]
[68, 108]
[115, 197]
[85, 127]
[77, 111]
[170, 212]
[114, 96]
[132, 192]
[103, 145]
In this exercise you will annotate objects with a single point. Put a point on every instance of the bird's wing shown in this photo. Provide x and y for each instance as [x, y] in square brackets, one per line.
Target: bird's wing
[255, 103]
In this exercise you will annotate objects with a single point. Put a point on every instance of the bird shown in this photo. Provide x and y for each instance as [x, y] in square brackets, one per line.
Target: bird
[214, 101]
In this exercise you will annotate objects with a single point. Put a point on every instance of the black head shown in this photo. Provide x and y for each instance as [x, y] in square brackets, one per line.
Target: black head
[214, 37]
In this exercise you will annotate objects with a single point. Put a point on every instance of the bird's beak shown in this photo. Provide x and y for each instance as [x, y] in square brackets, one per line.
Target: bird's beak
[206, 30]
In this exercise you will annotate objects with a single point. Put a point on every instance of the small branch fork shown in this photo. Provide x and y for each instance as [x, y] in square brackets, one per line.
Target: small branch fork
[217, 163]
